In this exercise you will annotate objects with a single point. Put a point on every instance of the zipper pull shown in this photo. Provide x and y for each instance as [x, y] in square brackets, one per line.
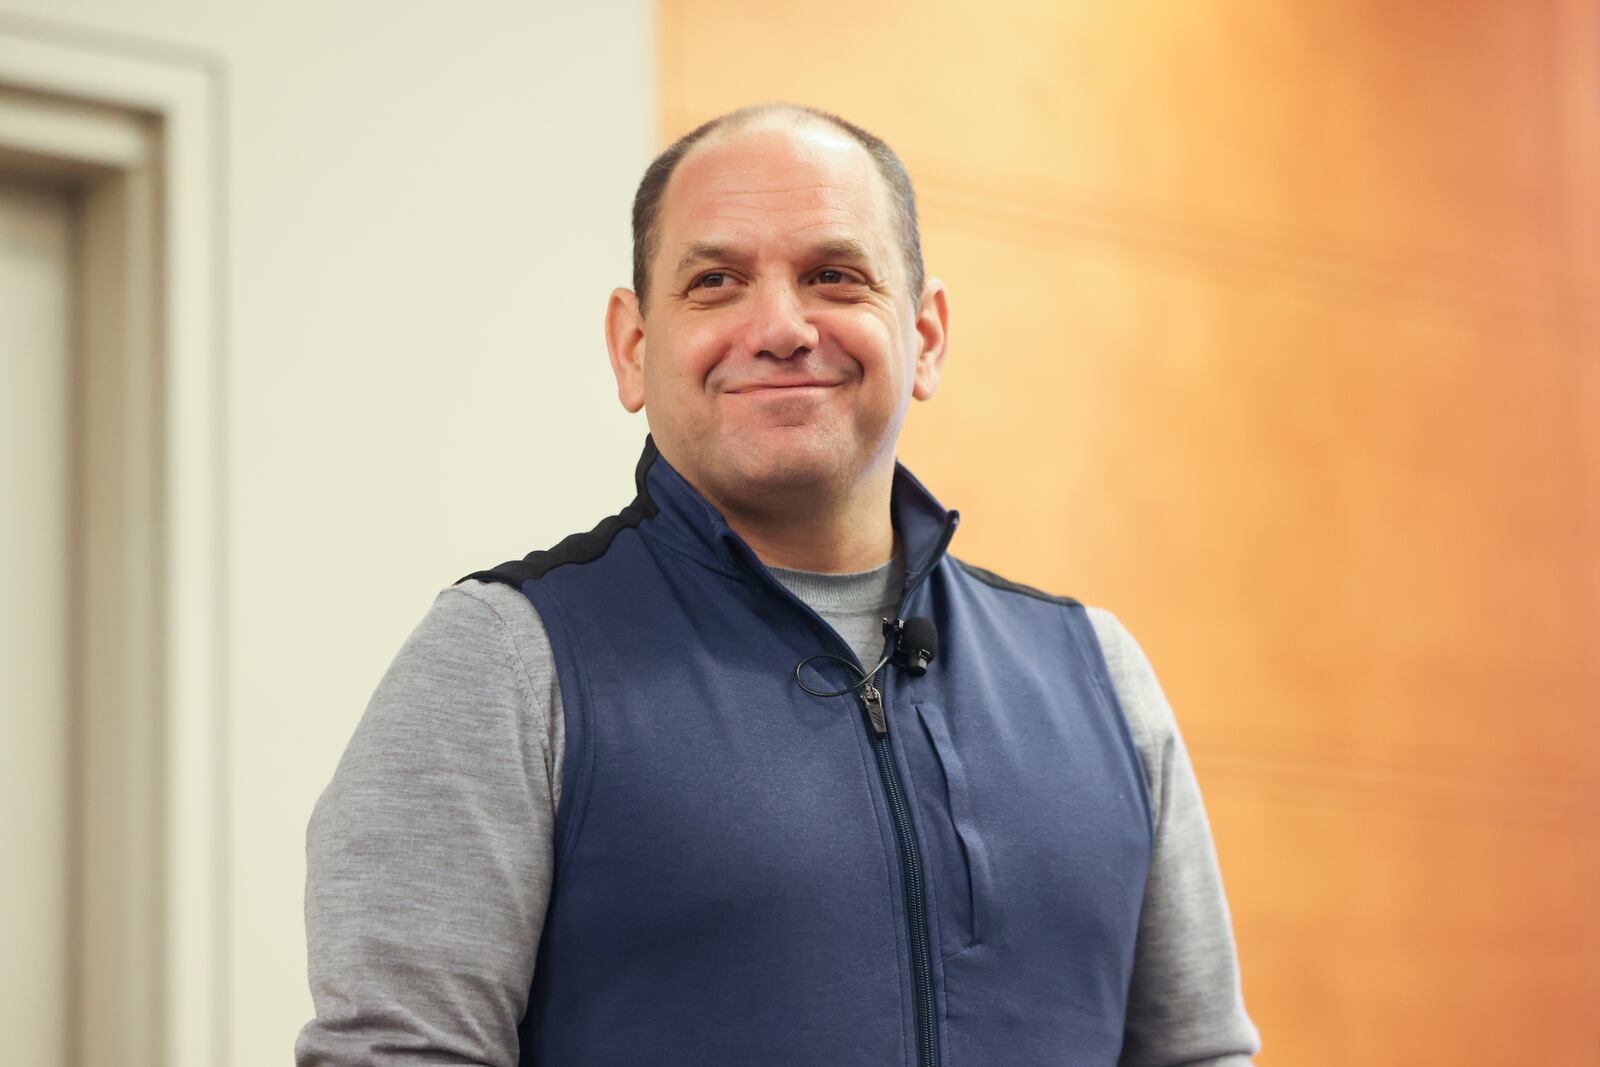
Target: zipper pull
[872, 700]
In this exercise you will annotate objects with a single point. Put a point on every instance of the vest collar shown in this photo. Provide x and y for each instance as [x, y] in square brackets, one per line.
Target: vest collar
[677, 512]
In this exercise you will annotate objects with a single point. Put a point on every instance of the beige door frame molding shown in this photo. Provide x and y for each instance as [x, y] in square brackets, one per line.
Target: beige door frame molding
[138, 130]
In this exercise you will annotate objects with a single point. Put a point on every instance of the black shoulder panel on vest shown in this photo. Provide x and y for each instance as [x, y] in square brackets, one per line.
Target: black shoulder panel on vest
[989, 577]
[578, 547]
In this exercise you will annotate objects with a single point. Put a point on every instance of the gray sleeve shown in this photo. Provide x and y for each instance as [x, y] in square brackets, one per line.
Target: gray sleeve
[428, 856]
[1185, 1005]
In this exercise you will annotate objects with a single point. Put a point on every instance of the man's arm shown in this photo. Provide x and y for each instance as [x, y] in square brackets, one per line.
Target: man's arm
[1185, 1005]
[428, 856]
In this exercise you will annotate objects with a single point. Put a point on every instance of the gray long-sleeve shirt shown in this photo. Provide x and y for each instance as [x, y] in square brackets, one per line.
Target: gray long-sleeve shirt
[429, 856]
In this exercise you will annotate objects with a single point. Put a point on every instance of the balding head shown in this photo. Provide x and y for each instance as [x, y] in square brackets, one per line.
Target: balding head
[790, 328]
[653, 186]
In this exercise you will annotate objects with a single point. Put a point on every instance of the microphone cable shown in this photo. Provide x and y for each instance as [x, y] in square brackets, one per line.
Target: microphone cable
[924, 637]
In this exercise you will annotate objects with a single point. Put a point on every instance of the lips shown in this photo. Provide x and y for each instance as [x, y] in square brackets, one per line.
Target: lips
[773, 386]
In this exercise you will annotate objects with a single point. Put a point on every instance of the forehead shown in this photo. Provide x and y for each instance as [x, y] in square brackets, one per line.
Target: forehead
[774, 182]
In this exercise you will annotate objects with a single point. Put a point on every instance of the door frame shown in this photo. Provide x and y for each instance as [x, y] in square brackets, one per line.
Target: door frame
[175, 618]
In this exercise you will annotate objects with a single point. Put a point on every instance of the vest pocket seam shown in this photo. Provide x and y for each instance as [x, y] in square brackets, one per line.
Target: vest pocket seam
[963, 822]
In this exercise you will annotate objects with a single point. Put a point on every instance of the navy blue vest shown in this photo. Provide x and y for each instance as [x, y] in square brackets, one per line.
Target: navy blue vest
[746, 873]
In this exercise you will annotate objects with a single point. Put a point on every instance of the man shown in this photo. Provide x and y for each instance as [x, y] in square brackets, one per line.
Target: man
[756, 771]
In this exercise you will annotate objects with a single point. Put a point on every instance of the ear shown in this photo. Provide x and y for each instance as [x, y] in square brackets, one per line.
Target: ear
[933, 333]
[625, 343]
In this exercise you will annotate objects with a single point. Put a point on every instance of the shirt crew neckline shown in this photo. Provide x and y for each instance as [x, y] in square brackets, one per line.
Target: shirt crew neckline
[848, 594]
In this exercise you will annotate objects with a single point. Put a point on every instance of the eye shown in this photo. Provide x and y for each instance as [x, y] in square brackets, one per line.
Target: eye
[710, 280]
[832, 276]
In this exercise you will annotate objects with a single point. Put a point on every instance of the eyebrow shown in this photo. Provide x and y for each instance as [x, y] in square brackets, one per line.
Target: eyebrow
[844, 249]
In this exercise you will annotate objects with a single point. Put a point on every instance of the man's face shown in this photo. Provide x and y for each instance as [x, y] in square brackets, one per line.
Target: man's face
[779, 348]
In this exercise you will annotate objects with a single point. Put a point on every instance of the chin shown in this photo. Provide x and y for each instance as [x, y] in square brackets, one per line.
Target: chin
[802, 462]
[788, 469]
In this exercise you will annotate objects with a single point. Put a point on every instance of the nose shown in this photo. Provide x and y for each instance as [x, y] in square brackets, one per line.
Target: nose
[778, 327]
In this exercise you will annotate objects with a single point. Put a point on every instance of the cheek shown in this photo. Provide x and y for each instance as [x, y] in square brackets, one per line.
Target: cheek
[868, 339]
[680, 361]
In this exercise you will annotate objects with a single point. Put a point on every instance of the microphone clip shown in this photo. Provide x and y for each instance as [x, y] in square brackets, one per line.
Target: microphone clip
[914, 646]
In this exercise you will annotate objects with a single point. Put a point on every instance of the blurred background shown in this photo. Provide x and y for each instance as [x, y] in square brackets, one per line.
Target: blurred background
[1274, 329]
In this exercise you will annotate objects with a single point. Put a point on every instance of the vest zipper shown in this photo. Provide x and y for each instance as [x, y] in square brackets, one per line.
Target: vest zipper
[910, 861]
[911, 869]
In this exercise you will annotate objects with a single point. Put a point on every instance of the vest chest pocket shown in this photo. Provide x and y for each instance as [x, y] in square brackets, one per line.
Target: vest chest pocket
[958, 860]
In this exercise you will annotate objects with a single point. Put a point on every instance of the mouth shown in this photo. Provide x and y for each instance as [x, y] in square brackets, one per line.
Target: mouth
[786, 387]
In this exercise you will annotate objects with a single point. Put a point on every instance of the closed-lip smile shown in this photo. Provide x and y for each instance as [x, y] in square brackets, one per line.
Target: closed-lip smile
[782, 385]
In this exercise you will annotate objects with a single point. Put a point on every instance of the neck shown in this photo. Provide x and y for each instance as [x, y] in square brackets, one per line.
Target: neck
[805, 532]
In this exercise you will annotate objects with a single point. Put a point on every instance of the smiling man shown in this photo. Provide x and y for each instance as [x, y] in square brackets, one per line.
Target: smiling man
[757, 771]
[778, 328]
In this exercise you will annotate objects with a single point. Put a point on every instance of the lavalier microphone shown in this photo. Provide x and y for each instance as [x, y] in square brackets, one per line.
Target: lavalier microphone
[913, 644]
[917, 644]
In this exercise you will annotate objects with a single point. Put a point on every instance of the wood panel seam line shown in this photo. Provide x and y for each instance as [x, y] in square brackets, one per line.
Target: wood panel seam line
[1565, 802]
[1527, 314]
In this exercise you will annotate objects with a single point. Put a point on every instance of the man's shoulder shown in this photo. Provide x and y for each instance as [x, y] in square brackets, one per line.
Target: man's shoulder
[480, 603]
[1107, 627]
[997, 581]
[479, 622]
[483, 597]
[584, 546]
[1132, 678]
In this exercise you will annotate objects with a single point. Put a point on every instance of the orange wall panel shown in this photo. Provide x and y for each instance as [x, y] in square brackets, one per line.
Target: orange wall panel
[1274, 330]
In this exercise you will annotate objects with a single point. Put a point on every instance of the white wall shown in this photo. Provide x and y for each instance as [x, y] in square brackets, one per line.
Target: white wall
[426, 208]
